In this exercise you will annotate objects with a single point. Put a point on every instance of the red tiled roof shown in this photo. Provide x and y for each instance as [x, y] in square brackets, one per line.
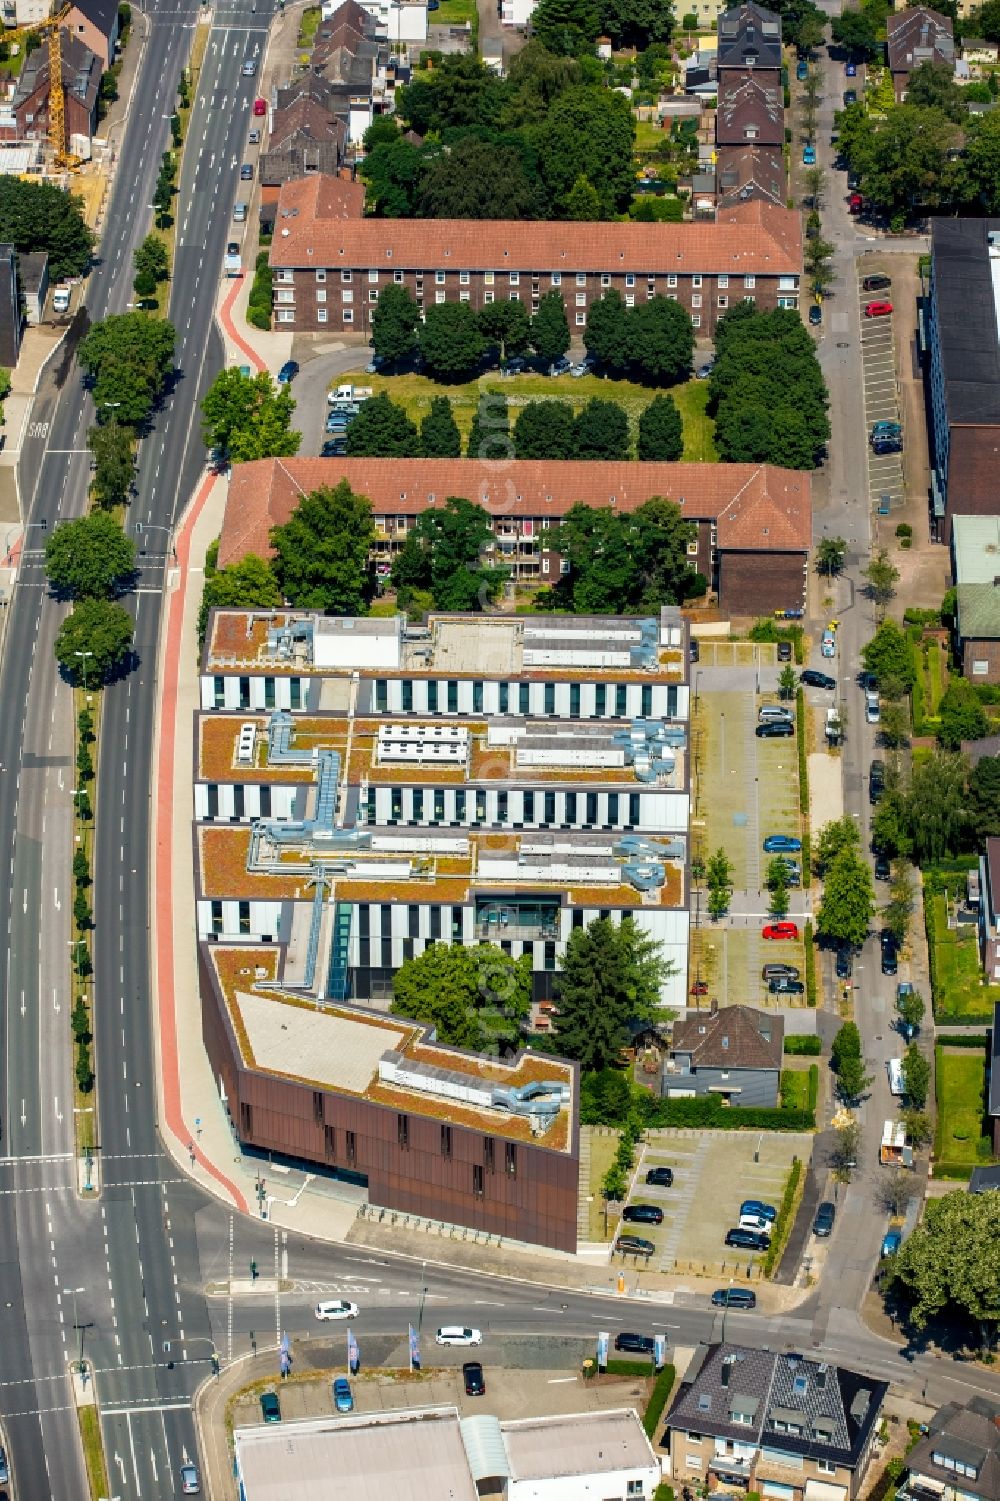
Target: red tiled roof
[305, 117]
[333, 198]
[752, 238]
[756, 507]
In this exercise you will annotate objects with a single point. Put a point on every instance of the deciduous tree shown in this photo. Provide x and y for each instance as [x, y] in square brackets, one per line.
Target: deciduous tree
[395, 320]
[507, 325]
[42, 216]
[382, 430]
[450, 340]
[114, 463]
[90, 558]
[439, 434]
[589, 131]
[935, 807]
[660, 341]
[550, 328]
[545, 430]
[442, 556]
[127, 358]
[489, 435]
[961, 714]
[661, 432]
[478, 179]
[476, 997]
[889, 654]
[322, 552]
[246, 585]
[600, 431]
[249, 417]
[848, 902]
[949, 1263]
[94, 641]
[984, 793]
[834, 838]
[606, 333]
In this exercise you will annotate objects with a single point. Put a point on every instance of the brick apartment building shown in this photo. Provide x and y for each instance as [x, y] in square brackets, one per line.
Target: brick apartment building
[749, 121]
[754, 522]
[328, 271]
[749, 112]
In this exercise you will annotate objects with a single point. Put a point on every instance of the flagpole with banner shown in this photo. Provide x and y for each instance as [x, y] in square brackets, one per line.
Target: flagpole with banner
[414, 1349]
[353, 1354]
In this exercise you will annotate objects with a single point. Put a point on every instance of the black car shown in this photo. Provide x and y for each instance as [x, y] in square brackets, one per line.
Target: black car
[883, 446]
[868, 682]
[876, 781]
[815, 315]
[779, 972]
[890, 961]
[877, 283]
[814, 679]
[748, 1240]
[825, 1216]
[634, 1245]
[662, 1177]
[850, 97]
[642, 1214]
[786, 987]
[246, 172]
[883, 870]
[334, 448]
[475, 1384]
[734, 1297]
[775, 729]
[784, 651]
[845, 964]
[694, 650]
[641, 1344]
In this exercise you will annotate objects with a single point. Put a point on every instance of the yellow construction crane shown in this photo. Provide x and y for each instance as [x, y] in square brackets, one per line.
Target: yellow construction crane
[57, 94]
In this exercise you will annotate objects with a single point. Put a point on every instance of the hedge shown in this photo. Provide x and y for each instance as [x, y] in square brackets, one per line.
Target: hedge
[813, 1095]
[961, 1039]
[810, 949]
[662, 1387]
[259, 301]
[801, 724]
[709, 1113]
[783, 1223]
[621, 1368]
[664, 1492]
[804, 1044]
[954, 1169]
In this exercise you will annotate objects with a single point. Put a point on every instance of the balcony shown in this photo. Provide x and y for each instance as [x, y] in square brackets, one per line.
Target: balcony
[497, 920]
[916, 1489]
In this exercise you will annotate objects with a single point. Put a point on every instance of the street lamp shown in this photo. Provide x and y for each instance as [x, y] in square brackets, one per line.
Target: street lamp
[73, 1291]
[84, 655]
[423, 1295]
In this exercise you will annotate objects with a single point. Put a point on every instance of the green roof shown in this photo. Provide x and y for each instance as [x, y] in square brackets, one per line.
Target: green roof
[975, 545]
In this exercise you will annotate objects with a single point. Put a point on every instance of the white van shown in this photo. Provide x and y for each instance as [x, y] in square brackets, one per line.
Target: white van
[894, 1068]
[60, 300]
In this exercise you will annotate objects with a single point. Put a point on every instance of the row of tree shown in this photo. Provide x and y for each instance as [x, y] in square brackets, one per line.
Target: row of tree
[652, 341]
[767, 390]
[548, 429]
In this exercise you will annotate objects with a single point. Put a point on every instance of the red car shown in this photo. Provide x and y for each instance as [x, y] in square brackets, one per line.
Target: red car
[700, 987]
[780, 930]
[260, 106]
[855, 203]
[878, 309]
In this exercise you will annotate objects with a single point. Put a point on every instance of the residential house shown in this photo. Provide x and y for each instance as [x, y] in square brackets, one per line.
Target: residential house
[328, 271]
[95, 24]
[34, 270]
[516, 12]
[753, 522]
[989, 911]
[975, 555]
[976, 50]
[959, 332]
[11, 313]
[26, 116]
[734, 1053]
[748, 172]
[780, 1425]
[914, 37]
[750, 42]
[749, 111]
[312, 161]
[959, 1458]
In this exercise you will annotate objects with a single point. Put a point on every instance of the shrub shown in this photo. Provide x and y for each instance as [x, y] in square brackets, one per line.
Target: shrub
[783, 1223]
[809, 944]
[708, 1112]
[801, 723]
[804, 1044]
[259, 302]
[904, 529]
[662, 1387]
[84, 1071]
[813, 1095]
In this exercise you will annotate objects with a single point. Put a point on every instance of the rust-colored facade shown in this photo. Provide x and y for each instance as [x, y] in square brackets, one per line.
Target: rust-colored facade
[426, 1167]
[749, 581]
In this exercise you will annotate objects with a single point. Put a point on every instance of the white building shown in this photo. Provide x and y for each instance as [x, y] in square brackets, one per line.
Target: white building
[427, 1454]
[517, 12]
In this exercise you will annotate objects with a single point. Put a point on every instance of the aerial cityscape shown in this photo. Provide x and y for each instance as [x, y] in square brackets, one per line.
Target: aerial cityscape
[500, 762]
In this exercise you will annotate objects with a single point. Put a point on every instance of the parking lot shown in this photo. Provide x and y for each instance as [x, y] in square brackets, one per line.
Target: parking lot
[881, 394]
[714, 1171]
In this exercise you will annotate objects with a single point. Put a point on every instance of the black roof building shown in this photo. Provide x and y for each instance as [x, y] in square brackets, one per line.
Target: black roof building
[962, 1450]
[966, 316]
[749, 40]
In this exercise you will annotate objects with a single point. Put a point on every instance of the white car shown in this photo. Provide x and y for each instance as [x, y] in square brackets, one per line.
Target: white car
[828, 647]
[872, 708]
[454, 1334]
[249, 68]
[336, 1310]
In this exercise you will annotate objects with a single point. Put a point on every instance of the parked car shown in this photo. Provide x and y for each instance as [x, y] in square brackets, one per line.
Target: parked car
[774, 713]
[845, 963]
[240, 211]
[456, 1334]
[828, 646]
[514, 366]
[561, 366]
[802, 70]
[288, 372]
[780, 972]
[585, 367]
[886, 430]
[661, 1177]
[254, 137]
[782, 844]
[190, 1480]
[634, 1245]
[881, 447]
[883, 870]
[876, 780]
[246, 172]
[757, 1206]
[475, 1382]
[704, 371]
[343, 1397]
[694, 650]
[813, 679]
[642, 1344]
[780, 930]
[60, 300]
[775, 729]
[336, 1310]
[4, 1467]
[851, 70]
[878, 282]
[891, 1242]
[815, 314]
[850, 97]
[334, 448]
[786, 987]
[809, 156]
[825, 1216]
[855, 204]
[873, 710]
[270, 1407]
[784, 651]
[642, 1214]
[734, 1297]
[754, 1222]
[890, 956]
[260, 107]
[878, 309]
[748, 1240]
[700, 987]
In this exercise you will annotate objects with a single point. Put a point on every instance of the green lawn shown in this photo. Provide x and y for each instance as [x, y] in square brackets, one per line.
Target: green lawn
[453, 13]
[649, 135]
[960, 1085]
[416, 392]
[959, 988]
[795, 1089]
[309, 25]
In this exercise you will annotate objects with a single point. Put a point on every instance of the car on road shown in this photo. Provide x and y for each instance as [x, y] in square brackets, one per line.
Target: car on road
[782, 844]
[270, 1407]
[825, 1216]
[891, 1242]
[642, 1214]
[249, 67]
[845, 963]
[883, 869]
[815, 315]
[877, 282]
[254, 137]
[878, 309]
[851, 70]
[336, 1309]
[802, 70]
[889, 952]
[457, 1334]
[850, 97]
[784, 651]
[641, 1344]
[190, 1480]
[809, 156]
[260, 107]
[343, 1397]
[4, 1466]
[779, 972]
[786, 987]
[246, 172]
[634, 1245]
[660, 1177]
[757, 1206]
[775, 729]
[475, 1381]
[288, 372]
[748, 1240]
[828, 645]
[813, 679]
[734, 1297]
[780, 930]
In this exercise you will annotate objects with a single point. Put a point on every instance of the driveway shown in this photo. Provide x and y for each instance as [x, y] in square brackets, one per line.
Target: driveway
[316, 375]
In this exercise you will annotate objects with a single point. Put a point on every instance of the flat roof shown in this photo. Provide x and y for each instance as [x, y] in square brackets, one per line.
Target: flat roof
[968, 315]
[591, 1443]
[408, 1456]
[329, 1047]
